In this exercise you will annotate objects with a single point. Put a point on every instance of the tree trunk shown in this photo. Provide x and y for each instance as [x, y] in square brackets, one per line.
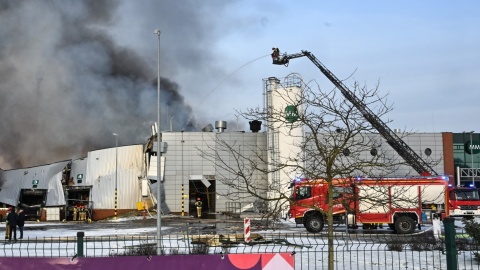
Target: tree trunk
[331, 248]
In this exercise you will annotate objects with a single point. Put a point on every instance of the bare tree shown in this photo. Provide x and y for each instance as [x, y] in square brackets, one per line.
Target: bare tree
[321, 136]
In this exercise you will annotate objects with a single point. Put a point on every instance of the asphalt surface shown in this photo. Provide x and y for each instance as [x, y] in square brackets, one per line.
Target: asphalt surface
[220, 224]
[170, 224]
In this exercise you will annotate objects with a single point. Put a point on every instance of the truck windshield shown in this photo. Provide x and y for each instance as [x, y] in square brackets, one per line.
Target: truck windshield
[303, 192]
[465, 195]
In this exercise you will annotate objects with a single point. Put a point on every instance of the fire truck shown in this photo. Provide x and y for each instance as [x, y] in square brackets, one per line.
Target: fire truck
[399, 202]
[464, 201]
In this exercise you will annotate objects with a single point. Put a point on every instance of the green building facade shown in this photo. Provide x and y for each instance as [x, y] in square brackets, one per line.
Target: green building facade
[467, 158]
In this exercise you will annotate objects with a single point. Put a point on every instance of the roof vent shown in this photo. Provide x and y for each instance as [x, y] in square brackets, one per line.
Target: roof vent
[207, 128]
[255, 125]
[221, 125]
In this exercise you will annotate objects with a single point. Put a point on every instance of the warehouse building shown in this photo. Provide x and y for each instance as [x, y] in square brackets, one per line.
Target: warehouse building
[115, 180]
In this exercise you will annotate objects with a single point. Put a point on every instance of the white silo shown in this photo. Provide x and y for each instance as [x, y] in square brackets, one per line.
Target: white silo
[285, 136]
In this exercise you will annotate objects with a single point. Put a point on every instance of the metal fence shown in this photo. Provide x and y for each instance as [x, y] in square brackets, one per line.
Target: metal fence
[350, 251]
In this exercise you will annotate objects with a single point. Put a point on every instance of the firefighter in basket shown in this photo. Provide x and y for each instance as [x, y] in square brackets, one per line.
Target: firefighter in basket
[275, 54]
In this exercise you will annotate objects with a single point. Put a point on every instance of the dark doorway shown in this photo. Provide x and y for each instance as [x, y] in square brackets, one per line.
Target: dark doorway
[31, 201]
[78, 197]
[207, 196]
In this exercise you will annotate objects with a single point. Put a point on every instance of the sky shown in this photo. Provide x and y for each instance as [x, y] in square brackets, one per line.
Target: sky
[73, 73]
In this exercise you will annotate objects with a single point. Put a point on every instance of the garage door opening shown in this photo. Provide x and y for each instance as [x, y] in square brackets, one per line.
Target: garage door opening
[207, 195]
[32, 201]
[78, 203]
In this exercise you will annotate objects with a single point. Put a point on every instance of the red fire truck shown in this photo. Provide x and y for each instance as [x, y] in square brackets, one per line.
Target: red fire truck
[464, 201]
[399, 202]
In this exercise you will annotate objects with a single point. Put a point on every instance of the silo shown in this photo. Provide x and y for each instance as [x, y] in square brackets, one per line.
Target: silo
[285, 136]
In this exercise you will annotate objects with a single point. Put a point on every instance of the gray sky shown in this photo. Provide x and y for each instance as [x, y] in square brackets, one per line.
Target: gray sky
[73, 73]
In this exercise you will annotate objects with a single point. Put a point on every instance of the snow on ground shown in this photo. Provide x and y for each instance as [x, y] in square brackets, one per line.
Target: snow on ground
[309, 251]
[56, 229]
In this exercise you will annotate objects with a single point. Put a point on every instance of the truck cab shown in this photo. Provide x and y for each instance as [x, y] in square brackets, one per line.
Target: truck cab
[464, 202]
[309, 201]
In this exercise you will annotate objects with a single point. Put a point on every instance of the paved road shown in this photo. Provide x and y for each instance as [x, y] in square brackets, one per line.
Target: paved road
[179, 225]
[171, 224]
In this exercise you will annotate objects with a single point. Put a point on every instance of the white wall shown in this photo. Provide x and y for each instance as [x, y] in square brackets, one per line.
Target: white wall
[183, 160]
[102, 171]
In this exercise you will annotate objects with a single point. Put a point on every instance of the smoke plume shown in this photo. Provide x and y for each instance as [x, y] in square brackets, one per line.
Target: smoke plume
[66, 85]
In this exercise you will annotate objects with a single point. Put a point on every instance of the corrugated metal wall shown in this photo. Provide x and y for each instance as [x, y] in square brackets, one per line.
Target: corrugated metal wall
[102, 170]
[49, 177]
[79, 172]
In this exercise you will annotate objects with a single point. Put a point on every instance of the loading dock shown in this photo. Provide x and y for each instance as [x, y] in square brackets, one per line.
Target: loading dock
[32, 201]
[78, 204]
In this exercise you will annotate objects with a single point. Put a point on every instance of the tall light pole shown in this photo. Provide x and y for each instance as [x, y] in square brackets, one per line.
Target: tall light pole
[159, 154]
[116, 173]
[471, 154]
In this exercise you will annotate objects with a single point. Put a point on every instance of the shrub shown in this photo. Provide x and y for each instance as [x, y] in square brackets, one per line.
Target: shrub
[200, 249]
[425, 242]
[395, 245]
[144, 249]
[472, 228]
[176, 251]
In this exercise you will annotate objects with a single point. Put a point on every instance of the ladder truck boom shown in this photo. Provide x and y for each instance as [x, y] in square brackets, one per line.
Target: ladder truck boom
[407, 153]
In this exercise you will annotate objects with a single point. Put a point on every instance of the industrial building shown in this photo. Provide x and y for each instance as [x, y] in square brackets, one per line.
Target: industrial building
[115, 180]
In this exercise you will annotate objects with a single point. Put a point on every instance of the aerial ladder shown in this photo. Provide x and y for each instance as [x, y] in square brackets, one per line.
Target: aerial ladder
[407, 153]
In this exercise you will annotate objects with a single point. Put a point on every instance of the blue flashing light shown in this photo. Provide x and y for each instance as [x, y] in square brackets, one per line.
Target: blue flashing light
[444, 177]
[450, 185]
[471, 185]
[297, 179]
[359, 178]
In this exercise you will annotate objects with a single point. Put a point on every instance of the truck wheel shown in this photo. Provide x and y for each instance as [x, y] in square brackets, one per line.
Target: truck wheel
[404, 225]
[313, 223]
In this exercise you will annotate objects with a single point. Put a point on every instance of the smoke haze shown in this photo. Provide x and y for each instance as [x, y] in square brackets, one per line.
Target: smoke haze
[66, 84]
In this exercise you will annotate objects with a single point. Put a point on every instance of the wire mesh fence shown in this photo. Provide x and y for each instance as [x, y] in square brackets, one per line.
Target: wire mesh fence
[350, 251]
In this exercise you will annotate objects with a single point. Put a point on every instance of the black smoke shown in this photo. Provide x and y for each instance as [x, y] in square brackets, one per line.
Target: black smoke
[66, 86]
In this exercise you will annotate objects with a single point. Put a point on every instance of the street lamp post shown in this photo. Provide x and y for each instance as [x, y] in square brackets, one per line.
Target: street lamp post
[471, 154]
[159, 154]
[116, 173]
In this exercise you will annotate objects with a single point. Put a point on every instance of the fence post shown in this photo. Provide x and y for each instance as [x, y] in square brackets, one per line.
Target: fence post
[80, 236]
[450, 245]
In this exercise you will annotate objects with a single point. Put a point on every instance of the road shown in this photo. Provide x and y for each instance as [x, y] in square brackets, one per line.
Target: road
[172, 225]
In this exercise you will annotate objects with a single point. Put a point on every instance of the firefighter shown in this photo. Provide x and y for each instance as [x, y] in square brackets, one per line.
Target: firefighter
[7, 228]
[275, 54]
[75, 209]
[81, 212]
[198, 204]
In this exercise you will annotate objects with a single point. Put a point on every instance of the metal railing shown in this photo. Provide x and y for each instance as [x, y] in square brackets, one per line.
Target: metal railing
[351, 251]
